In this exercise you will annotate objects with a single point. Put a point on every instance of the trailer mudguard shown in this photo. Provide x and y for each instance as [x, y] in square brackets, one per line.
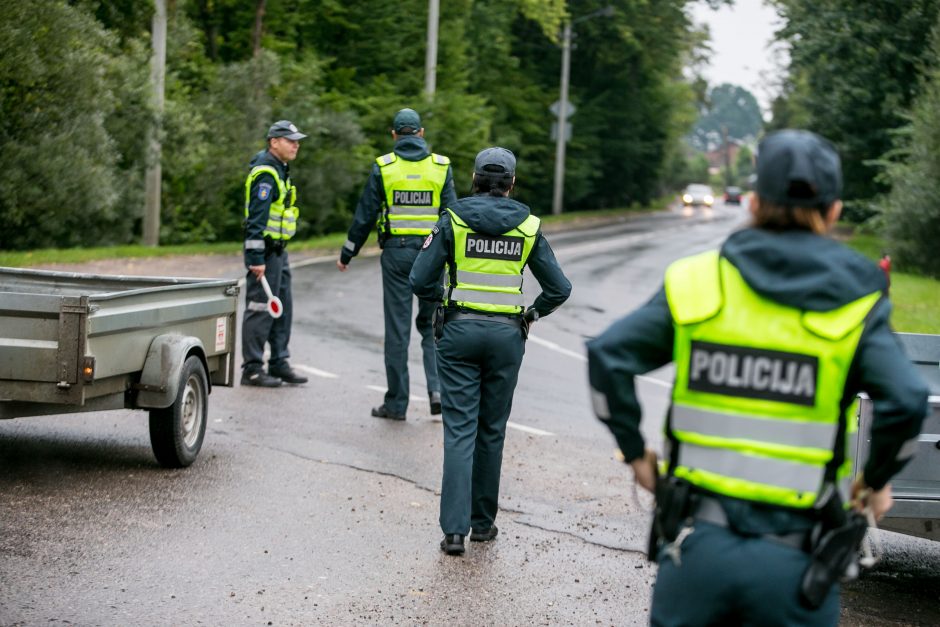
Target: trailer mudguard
[160, 378]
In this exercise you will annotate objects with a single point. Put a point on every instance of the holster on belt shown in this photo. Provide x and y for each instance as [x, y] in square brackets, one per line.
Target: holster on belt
[273, 246]
[437, 322]
[837, 541]
[675, 500]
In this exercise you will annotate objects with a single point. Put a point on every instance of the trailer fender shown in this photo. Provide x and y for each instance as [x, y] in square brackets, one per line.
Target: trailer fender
[160, 378]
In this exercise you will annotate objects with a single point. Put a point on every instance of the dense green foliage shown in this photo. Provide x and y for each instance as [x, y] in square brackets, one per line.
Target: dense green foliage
[76, 106]
[911, 211]
[854, 69]
[728, 109]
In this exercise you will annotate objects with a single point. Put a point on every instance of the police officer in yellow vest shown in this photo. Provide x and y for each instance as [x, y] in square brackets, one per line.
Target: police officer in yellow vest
[270, 221]
[772, 337]
[484, 242]
[406, 191]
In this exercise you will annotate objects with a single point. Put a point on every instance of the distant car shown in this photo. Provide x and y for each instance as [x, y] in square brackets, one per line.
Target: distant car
[697, 194]
[733, 195]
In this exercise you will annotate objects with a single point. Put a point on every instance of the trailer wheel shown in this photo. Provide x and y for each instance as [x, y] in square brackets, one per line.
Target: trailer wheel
[176, 432]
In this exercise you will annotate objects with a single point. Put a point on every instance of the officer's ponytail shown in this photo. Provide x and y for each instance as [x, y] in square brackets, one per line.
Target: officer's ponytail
[776, 217]
[492, 183]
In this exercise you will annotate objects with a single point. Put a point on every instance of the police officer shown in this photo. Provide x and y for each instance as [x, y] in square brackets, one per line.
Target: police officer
[270, 221]
[484, 242]
[404, 195]
[772, 337]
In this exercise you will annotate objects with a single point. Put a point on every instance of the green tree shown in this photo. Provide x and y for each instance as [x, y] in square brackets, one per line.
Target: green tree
[911, 211]
[855, 68]
[744, 166]
[58, 163]
[729, 108]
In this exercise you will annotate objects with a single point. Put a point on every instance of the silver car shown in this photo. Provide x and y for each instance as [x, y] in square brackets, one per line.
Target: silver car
[697, 194]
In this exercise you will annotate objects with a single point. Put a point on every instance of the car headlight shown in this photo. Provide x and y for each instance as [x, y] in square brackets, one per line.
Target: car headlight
[709, 200]
[687, 198]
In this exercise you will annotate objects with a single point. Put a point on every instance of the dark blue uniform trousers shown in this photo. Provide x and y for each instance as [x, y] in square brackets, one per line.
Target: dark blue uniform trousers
[258, 327]
[724, 578]
[479, 364]
[398, 300]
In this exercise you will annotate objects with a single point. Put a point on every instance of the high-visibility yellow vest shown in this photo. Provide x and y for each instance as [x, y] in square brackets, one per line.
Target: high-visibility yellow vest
[412, 193]
[755, 407]
[282, 218]
[487, 276]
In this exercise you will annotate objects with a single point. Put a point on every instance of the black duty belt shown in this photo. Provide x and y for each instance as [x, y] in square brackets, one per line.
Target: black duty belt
[709, 510]
[404, 241]
[450, 316]
[276, 246]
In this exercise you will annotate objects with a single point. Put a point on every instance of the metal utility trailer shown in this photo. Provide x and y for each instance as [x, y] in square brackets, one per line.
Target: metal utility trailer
[916, 489]
[76, 342]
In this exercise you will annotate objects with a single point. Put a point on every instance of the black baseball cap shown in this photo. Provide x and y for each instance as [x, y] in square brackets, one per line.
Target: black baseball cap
[284, 128]
[495, 161]
[798, 169]
[406, 120]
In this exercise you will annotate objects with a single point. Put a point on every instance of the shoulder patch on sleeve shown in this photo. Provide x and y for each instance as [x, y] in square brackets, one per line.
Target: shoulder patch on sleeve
[264, 190]
[429, 239]
[440, 159]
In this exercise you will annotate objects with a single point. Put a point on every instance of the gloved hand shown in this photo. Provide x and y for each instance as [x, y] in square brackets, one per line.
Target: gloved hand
[528, 319]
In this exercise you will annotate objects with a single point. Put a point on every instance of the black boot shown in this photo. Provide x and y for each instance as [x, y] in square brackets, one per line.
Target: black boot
[286, 374]
[259, 378]
[435, 398]
[452, 544]
[382, 412]
[483, 535]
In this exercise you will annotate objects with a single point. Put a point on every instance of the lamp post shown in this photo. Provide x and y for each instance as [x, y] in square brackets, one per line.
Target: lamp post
[562, 135]
[153, 175]
[430, 59]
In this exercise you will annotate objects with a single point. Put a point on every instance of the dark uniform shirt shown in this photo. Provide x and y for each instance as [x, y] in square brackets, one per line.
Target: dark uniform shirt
[493, 215]
[797, 269]
[263, 192]
[409, 148]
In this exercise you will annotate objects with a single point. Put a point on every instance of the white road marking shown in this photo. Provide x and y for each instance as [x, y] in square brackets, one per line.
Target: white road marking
[316, 371]
[556, 348]
[511, 425]
[532, 430]
[564, 351]
[664, 384]
[377, 388]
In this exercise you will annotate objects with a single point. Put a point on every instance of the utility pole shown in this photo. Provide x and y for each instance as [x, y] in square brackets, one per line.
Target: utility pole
[561, 136]
[727, 155]
[430, 61]
[153, 176]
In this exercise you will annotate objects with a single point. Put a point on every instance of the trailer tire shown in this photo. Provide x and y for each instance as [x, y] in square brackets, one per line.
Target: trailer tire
[177, 431]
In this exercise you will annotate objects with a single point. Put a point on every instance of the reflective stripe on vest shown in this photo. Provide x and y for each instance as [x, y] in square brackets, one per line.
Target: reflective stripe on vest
[412, 193]
[487, 275]
[282, 217]
[756, 401]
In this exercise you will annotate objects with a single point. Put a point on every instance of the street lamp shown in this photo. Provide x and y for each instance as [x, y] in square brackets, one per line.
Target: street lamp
[430, 58]
[561, 134]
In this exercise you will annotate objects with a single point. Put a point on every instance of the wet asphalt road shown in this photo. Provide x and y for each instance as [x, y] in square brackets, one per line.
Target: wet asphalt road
[303, 509]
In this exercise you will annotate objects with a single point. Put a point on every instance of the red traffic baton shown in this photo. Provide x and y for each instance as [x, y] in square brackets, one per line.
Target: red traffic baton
[275, 308]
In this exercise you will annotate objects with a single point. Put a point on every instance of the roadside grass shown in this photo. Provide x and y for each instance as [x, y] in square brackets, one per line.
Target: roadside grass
[916, 299]
[27, 258]
[331, 242]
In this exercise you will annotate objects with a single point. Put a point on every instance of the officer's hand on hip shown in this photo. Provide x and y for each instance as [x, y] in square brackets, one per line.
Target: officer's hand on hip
[258, 271]
[644, 470]
[342, 266]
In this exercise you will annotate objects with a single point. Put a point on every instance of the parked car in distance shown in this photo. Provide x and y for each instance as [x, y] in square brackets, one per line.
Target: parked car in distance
[697, 194]
[733, 195]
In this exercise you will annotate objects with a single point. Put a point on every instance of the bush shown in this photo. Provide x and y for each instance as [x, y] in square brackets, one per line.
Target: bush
[911, 212]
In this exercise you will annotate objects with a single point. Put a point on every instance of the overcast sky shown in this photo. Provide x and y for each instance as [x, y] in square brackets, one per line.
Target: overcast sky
[741, 36]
